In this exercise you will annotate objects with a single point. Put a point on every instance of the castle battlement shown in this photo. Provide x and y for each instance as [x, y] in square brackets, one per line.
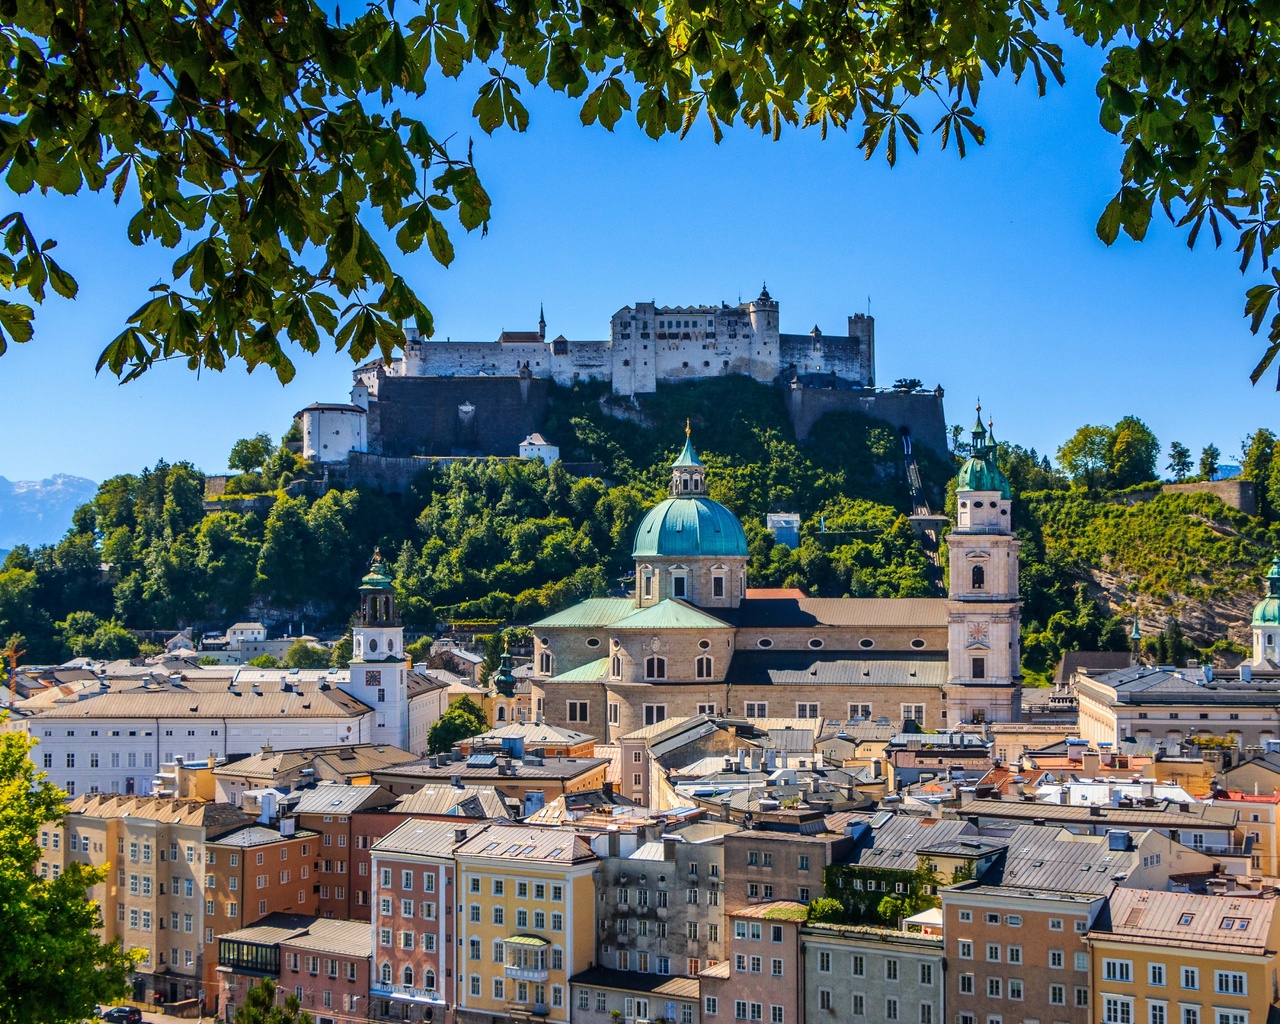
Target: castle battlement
[647, 345]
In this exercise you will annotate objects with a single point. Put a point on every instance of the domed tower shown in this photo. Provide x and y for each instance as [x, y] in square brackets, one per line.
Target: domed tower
[1266, 619]
[984, 673]
[377, 657]
[688, 546]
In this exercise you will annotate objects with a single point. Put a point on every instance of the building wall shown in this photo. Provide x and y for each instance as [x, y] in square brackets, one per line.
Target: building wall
[328, 435]
[426, 415]
[918, 413]
[413, 928]
[575, 941]
[245, 884]
[875, 965]
[1051, 973]
[330, 992]
[755, 860]
[765, 968]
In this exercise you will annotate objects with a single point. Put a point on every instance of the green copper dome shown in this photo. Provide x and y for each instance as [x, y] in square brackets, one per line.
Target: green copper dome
[981, 471]
[377, 578]
[1267, 611]
[689, 523]
[687, 527]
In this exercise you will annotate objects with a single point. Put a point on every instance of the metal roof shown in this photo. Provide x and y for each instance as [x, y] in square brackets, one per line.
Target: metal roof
[334, 799]
[424, 838]
[456, 801]
[593, 612]
[634, 981]
[259, 835]
[781, 612]
[670, 614]
[1233, 923]
[837, 668]
[520, 842]
[549, 768]
[1195, 816]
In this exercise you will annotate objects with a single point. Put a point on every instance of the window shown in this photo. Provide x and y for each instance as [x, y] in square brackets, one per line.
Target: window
[926, 974]
[1015, 954]
[806, 710]
[859, 1004]
[776, 967]
[1230, 983]
[824, 961]
[1157, 1013]
[655, 668]
[1057, 995]
[891, 969]
[677, 585]
[979, 668]
[891, 1009]
[824, 998]
[1015, 988]
[703, 668]
[710, 1006]
[978, 578]
[1117, 1011]
[993, 952]
[1191, 1015]
[1191, 978]
[759, 709]
[1155, 974]
[966, 984]
[1082, 961]
[1117, 970]
[966, 950]
[577, 711]
[655, 713]
[994, 987]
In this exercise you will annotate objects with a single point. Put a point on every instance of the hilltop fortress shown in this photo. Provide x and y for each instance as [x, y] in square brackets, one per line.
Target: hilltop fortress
[464, 398]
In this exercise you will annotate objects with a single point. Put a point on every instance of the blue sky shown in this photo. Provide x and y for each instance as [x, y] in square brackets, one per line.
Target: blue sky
[984, 275]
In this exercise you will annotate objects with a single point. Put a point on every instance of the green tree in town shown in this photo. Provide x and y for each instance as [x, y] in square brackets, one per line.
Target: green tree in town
[1209, 456]
[264, 661]
[1179, 460]
[1085, 454]
[463, 720]
[341, 653]
[260, 1006]
[262, 143]
[302, 655]
[55, 968]
[1134, 450]
[250, 453]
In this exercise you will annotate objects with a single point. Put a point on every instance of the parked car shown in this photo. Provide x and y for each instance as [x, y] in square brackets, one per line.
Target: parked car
[123, 1015]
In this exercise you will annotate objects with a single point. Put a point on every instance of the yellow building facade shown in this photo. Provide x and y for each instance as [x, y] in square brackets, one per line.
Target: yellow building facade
[526, 922]
[1180, 958]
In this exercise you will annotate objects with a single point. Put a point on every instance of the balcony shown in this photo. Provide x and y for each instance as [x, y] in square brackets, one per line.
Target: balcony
[407, 992]
[538, 974]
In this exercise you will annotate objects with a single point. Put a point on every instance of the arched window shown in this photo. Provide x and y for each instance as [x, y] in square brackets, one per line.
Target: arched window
[685, 483]
[406, 976]
[655, 668]
[703, 668]
[502, 713]
[1271, 639]
[429, 979]
[615, 667]
[979, 577]
[386, 972]
[544, 663]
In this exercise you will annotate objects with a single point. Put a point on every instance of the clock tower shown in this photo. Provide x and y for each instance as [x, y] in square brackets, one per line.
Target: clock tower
[377, 657]
[984, 677]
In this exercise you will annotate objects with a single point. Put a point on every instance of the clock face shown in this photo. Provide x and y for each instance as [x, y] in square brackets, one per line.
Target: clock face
[979, 634]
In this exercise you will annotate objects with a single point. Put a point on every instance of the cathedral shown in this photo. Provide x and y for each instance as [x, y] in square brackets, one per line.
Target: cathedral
[695, 638]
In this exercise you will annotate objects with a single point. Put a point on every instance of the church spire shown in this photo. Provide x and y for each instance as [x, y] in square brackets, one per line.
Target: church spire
[688, 475]
[542, 323]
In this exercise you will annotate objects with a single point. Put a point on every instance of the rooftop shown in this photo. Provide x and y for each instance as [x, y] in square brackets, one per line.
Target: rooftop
[520, 842]
[485, 766]
[423, 838]
[324, 935]
[781, 910]
[1233, 923]
[260, 835]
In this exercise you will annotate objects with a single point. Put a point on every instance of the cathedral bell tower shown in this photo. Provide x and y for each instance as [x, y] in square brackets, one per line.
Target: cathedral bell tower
[984, 677]
[377, 657]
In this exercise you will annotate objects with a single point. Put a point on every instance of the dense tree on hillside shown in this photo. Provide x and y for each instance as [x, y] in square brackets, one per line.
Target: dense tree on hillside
[1179, 460]
[1134, 450]
[1209, 456]
[1084, 455]
[250, 453]
[309, 127]
[55, 968]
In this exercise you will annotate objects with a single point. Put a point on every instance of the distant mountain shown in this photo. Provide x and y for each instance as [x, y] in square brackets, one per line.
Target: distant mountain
[39, 511]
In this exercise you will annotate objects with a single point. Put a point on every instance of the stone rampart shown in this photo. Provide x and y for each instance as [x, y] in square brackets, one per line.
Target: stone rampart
[1237, 493]
[453, 416]
[919, 412]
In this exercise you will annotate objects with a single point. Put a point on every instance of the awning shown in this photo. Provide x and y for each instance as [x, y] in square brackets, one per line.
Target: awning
[526, 940]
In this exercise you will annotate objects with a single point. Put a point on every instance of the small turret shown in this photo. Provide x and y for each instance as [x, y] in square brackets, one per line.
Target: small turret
[688, 475]
[504, 681]
[542, 324]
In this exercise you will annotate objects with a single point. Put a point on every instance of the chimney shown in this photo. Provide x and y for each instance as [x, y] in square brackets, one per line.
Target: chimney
[1091, 763]
[725, 814]
[668, 849]
[455, 781]
[608, 789]
[742, 760]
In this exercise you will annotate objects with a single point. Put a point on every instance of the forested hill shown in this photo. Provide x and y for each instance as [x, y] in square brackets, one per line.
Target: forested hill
[512, 540]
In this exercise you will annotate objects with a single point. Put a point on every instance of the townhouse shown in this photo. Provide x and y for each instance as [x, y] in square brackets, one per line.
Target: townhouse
[324, 963]
[1182, 958]
[867, 974]
[413, 921]
[527, 924]
[762, 978]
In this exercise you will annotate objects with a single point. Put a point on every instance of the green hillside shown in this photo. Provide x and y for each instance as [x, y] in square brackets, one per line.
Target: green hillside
[512, 540]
